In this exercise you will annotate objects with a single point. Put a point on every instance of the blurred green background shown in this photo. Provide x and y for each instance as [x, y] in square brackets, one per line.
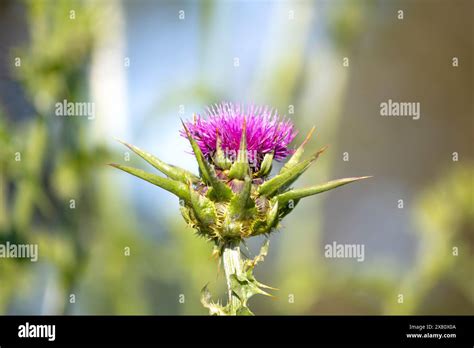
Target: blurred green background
[111, 244]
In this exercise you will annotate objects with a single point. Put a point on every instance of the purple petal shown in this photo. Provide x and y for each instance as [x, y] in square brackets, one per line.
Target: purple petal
[266, 130]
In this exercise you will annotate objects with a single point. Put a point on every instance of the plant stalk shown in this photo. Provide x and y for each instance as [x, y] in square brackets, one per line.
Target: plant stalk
[232, 265]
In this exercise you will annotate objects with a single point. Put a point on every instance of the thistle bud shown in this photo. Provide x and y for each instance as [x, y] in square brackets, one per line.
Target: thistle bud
[233, 197]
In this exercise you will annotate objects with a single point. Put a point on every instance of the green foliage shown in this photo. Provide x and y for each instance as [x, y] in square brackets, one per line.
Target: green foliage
[296, 194]
[214, 308]
[242, 285]
[240, 168]
[171, 171]
[283, 180]
[218, 191]
[176, 187]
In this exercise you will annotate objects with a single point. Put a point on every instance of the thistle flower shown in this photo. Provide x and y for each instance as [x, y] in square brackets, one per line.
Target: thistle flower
[266, 133]
[233, 197]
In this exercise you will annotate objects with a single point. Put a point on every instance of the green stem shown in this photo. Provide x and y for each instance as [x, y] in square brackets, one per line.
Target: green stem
[232, 265]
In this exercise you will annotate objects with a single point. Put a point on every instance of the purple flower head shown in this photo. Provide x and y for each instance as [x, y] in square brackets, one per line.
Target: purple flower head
[266, 132]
